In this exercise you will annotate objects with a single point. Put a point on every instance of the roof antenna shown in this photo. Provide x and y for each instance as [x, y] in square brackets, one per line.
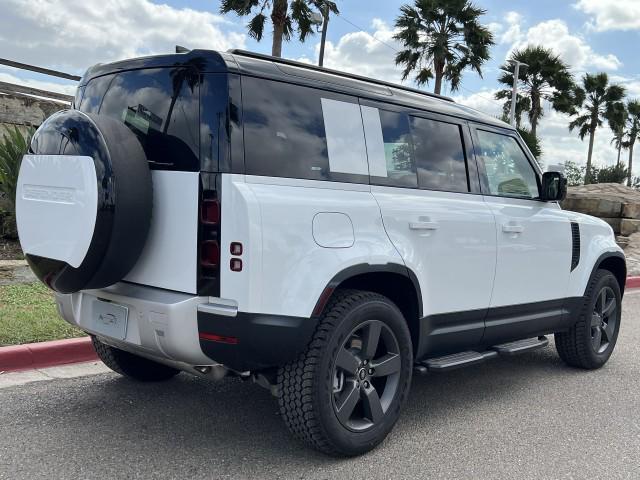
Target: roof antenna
[181, 49]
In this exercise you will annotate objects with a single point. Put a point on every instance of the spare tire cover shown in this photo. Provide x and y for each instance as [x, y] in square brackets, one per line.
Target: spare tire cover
[83, 201]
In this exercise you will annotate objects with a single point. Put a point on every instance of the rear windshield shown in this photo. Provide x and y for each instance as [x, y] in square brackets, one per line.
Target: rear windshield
[161, 106]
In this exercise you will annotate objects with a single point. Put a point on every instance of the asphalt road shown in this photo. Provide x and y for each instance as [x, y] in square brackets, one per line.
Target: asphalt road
[525, 417]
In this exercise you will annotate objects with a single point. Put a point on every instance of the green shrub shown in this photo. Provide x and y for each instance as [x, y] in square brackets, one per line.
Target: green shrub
[12, 147]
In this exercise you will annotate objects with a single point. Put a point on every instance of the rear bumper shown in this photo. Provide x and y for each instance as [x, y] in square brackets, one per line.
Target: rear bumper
[191, 330]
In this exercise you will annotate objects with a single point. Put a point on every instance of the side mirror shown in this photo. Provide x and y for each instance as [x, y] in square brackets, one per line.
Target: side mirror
[554, 187]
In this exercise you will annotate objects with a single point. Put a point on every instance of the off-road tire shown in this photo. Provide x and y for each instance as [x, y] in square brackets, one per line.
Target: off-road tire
[132, 366]
[303, 385]
[574, 346]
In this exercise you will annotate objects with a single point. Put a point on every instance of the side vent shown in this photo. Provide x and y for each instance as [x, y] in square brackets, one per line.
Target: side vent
[575, 245]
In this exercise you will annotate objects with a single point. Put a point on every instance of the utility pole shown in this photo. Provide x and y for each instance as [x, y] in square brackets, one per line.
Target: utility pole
[325, 24]
[514, 93]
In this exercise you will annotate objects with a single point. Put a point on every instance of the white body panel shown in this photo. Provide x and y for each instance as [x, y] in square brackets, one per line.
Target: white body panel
[596, 238]
[58, 195]
[285, 270]
[169, 258]
[534, 251]
[448, 240]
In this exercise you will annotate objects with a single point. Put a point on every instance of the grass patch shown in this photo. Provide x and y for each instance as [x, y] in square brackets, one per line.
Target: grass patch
[28, 314]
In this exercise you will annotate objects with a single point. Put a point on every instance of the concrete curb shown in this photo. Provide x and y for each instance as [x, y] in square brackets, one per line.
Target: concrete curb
[76, 350]
[46, 354]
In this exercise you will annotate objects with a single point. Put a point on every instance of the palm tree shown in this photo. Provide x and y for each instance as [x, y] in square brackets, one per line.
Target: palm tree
[595, 102]
[442, 38]
[618, 126]
[546, 77]
[633, 122]
[284, 16]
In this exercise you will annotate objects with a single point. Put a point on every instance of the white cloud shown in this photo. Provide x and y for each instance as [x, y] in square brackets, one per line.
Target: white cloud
[364, 53]
[574, 50]
[513, 32]
[75, 34]
[611, 14]
[483, 101]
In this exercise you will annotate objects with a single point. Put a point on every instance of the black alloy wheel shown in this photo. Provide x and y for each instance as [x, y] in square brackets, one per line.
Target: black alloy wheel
[366, 375]
[604, 319]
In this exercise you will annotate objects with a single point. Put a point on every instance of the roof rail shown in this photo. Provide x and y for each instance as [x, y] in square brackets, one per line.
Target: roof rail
[261, 56]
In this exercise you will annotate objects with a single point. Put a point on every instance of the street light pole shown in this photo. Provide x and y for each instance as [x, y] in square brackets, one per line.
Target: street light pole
[325, 24]
[514, 93]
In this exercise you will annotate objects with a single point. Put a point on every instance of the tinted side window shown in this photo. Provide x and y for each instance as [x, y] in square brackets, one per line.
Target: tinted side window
[508, 171]
[161, 106]
[439, 155]
[300, 132]
[389, 147]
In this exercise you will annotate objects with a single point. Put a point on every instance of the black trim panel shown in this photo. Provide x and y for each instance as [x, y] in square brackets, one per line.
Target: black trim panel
[363, 268]
[263, 341]
[458, 331]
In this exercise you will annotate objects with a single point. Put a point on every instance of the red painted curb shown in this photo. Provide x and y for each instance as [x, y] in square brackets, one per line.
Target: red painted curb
[633, 282]
[46, 354]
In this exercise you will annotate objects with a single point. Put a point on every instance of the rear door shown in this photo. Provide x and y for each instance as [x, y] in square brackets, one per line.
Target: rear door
[428, 193]
[533, 238]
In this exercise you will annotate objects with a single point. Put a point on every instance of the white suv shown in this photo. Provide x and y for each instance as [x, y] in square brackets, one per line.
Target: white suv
[324, 234]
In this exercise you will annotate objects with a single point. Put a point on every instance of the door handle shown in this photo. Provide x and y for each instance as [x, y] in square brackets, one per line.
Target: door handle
[423, 225]
[512, 228]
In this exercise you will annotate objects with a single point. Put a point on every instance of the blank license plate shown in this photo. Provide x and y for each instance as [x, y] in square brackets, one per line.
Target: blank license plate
[110, 319]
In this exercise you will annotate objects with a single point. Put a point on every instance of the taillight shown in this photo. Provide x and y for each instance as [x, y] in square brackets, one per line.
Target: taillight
[210, 212]
[209, 221]
[210, 254]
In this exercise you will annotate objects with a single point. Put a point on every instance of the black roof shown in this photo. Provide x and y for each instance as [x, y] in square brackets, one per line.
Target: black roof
[266, 66]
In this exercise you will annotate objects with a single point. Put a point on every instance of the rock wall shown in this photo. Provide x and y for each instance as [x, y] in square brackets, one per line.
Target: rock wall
[616, 204]
[25, 111]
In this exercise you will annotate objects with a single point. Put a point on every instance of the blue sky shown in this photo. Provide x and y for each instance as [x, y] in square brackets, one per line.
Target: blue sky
[590, 35]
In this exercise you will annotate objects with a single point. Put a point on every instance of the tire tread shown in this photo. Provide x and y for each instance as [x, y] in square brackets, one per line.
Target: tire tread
[296, 379]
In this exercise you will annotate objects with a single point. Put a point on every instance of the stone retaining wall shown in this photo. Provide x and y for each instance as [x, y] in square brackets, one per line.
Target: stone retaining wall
[616, 204]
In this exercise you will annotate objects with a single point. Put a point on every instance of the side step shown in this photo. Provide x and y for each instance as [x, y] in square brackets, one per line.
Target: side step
[521, 346]
[464, 359]
[457, 360]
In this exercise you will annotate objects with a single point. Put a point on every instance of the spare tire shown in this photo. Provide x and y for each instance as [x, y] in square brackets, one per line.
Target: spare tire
[83, 201]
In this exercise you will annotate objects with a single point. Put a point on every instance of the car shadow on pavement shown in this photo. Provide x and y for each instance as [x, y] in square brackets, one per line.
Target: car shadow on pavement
[234, 424]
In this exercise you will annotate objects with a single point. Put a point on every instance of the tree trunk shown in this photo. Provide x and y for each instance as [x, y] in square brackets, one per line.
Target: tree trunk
[630, 163]
[325, 25]
[587, 175]
[278, 18]
[439, 71]
[619, 151]
[535, 112]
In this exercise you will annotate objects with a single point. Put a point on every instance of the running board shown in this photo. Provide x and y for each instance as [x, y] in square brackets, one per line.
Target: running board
[464, 359]
[521, 346]
[457, 360]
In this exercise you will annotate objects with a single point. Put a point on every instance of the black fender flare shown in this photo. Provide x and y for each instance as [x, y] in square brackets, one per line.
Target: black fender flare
[363, 268]
[598, 263]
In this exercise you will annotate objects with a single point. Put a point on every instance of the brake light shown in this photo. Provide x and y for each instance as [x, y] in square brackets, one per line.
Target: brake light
[210, 254]
[209, 220]
[210, 212]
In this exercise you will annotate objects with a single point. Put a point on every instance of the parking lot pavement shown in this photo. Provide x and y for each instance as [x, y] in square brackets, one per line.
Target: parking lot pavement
[525, 417]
